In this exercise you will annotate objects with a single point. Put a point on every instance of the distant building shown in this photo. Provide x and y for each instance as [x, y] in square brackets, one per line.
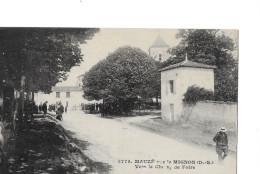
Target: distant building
[71, 96]
[176, 79]
[158, 50]
[79, 80]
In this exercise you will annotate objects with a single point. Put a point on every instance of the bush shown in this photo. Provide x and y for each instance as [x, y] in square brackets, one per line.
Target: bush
[195, 94]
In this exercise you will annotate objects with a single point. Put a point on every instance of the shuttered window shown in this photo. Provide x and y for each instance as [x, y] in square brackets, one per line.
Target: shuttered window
[171, 83]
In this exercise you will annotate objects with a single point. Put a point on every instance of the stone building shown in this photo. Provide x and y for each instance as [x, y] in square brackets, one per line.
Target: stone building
[158, 50]
[176, 79]
[79, 80]
[71, 96]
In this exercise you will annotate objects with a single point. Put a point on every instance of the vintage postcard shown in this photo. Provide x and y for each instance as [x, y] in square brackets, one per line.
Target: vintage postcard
[119, 101]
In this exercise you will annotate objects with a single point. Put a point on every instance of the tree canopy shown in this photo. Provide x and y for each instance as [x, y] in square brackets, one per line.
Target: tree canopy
[214, 48]
[195, 94]
[42, 55]
[124, 76]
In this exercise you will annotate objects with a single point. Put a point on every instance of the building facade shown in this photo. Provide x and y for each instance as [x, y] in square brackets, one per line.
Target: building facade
[158, 50]
[70, 96]
[79, 80]
[176, 79]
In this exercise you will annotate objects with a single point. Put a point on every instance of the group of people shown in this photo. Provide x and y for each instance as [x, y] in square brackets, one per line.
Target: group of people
[93, 108]
[43, 107]
[59, 109]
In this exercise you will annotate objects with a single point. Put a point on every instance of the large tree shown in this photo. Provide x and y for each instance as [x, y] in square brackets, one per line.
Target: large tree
[42, 55]
[35, 59]
[122, 78]
[211, 47]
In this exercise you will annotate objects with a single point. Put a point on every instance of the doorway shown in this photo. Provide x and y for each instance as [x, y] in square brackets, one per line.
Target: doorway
[172, 112]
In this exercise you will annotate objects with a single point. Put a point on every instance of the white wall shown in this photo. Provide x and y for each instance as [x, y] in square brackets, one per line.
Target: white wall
[74, 101]
[154, 52]
[79, 81]
[183, 77]
[41, 98]
[214, 111]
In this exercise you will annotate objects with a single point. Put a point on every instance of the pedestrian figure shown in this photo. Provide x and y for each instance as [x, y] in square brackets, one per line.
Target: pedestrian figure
[97, 107]
[66, 108]
[40, 107]
[29, 110]
[44, 108]
[36, 109]
[221, 141]
[59, 112]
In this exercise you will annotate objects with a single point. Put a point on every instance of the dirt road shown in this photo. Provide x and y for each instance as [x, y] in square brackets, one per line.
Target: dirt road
[120, 145]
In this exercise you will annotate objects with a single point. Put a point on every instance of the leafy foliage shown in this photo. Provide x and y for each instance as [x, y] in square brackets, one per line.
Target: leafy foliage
[212, 48]
[124, 76]
[42, 55]
[195, 94]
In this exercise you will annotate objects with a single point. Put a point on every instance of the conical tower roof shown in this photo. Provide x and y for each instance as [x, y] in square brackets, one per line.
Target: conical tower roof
[158, 43]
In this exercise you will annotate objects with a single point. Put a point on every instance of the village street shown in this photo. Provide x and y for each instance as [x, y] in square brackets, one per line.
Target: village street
[111, 141]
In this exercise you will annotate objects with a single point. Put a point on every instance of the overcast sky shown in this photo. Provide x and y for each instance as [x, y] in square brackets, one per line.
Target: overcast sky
[108, 40]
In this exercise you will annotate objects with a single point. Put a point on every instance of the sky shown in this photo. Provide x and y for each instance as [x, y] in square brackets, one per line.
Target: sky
[108, 40]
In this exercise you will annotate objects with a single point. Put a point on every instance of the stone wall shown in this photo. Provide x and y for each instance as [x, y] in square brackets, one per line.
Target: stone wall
[211, 111]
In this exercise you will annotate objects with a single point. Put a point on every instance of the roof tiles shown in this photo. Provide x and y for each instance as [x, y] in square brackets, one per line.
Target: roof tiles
[188, 63]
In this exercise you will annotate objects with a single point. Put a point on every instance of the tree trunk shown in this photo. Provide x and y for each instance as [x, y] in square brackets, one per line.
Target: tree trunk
[2, 103]
[21, 101]
[28, 96]
[103, 108]
[15, 112]
[33, 96]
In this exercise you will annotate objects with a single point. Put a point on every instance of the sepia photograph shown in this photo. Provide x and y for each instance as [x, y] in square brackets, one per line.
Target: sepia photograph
[118, 100]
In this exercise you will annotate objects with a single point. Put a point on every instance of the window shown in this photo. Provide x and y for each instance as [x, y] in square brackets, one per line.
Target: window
[68, 94]
[160, 57]
[171, 86]
[57, 94]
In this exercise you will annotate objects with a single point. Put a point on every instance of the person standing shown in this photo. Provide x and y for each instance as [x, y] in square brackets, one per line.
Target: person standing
[59, 112]
[44, 107]
[221, 141]
[66, 108]
[40, 107]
